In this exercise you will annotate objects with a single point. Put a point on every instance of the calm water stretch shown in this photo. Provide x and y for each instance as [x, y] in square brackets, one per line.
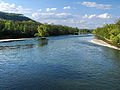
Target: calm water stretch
[61, 63]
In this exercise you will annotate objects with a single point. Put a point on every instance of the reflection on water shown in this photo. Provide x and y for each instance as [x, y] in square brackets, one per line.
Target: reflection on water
[60, 63]
[42, 42]
[115, 55]
[16, 47]
[23, 46]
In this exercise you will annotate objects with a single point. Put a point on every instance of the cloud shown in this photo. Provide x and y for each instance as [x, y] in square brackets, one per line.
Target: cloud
[51, 9]
[12, 8]
[40, 10]
[101, 16]
[86, 21]
[51, 15]
[74, 21]
[95, 5]
[89, 16]
[104, 16]
[67, 7]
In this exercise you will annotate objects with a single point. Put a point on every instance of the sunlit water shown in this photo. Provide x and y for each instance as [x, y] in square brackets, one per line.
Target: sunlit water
[61, 63]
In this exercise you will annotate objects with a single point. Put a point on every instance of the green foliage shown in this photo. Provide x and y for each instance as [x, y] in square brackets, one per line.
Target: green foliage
[17, 29]
[42, 31]
[55, 30]
[85, 31]
[110, 32]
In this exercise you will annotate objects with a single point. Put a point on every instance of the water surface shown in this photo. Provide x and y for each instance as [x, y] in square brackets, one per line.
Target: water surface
[61, 63]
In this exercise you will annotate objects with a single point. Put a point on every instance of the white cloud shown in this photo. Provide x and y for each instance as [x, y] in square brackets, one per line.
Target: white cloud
[12, 8]
[67, 7]
[74, 21]
[51, 9]
[89, 16]
[104, 16]
[62, 14]
[87, 21]
[41, 15]
[98, 6]
[40, 10]
[101, 16]
[51, 15]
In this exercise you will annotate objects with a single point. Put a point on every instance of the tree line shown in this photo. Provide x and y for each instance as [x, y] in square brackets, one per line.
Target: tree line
[85, 31]
[20, 29]
[110, 32]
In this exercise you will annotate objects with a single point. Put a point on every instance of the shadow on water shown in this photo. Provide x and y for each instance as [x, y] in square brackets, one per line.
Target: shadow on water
[42, 42]
[16, 47]
[35, 43]
[115, 54]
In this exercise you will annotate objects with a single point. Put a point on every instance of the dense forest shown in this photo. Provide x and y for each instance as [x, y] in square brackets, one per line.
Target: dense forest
[18, 29]
[110, 32]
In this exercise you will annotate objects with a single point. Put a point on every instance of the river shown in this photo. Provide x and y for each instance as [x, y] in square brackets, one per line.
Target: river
[60, 63]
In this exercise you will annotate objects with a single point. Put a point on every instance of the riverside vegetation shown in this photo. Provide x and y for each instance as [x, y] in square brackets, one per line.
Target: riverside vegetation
[110, 33]
[18, 29]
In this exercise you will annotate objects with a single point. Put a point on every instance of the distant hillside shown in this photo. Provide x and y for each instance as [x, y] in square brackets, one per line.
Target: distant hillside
[14, 17]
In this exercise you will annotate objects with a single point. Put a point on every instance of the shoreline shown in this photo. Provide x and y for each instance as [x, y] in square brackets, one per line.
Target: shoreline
[12, 40]
[102, 43]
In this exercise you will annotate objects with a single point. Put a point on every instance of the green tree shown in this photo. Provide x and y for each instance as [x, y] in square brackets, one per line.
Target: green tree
[42, 31]
[110, 32]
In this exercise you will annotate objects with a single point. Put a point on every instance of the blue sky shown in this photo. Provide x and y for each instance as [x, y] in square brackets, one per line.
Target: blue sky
[75, 13]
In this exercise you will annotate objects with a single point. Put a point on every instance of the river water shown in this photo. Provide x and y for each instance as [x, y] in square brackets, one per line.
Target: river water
[60, 63]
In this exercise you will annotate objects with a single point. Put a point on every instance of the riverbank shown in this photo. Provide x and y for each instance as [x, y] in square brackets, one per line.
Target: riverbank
[102, 43]
[12, 40]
